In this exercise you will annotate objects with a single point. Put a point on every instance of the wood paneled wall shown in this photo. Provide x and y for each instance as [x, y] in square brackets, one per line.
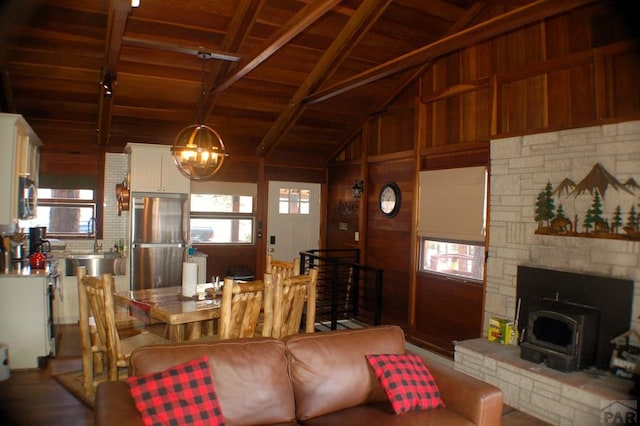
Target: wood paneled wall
[389, 241]
[251, 169]
[577, 69]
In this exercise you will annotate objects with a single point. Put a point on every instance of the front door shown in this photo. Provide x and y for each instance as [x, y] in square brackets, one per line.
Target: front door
[293, 223]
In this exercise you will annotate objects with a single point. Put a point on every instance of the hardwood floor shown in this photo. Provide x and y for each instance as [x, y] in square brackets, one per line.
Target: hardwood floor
[33, 397]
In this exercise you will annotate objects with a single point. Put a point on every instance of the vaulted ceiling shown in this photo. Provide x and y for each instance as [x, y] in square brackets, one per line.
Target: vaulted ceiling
[290, 80]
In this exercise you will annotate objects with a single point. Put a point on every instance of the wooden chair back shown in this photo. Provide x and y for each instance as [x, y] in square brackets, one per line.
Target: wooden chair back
[93, 349]
[100, 296]
[288, 268]
[99, 293]
[289, 299]
[267, 306]
[240, 308]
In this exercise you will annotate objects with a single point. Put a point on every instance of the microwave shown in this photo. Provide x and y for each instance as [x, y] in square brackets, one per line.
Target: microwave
[27, 198]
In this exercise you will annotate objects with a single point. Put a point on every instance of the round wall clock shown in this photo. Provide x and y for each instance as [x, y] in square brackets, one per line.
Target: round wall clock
[389, 200]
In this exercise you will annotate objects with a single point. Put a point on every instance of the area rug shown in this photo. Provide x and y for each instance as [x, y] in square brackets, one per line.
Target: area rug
[72, 381]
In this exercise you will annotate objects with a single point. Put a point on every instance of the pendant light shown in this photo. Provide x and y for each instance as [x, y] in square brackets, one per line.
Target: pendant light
[198, 150]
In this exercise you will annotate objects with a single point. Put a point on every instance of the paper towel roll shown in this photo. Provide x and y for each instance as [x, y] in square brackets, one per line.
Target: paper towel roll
[189, 279]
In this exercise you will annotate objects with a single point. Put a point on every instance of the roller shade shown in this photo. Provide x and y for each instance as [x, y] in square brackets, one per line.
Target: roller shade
[452, 204]
[54, 181]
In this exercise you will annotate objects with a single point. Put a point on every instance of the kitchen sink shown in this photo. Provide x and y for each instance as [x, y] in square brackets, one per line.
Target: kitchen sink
[96, 263]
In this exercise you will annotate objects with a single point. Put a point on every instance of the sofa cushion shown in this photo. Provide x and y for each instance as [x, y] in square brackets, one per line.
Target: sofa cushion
[183, 394]
[329, 370]
[250, 375]
[381, 413]
[407, 382]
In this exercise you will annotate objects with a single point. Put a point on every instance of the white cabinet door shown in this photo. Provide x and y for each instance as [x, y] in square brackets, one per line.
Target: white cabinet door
[153, 170]
[19, 146]
[172, 179]
[146, 173]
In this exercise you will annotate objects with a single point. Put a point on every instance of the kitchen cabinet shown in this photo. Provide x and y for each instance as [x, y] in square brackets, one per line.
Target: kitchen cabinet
[25, 321]
[66, 301]
[153, 170]
[20, 158]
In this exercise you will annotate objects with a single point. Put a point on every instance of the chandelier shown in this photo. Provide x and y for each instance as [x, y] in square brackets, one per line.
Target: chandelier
[198, 150]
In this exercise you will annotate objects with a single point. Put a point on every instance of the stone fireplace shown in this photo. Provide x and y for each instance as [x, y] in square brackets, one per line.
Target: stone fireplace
[520, 169]
[610, 300]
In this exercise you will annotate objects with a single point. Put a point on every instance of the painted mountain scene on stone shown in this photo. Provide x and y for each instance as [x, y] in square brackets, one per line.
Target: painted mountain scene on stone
[597, 206]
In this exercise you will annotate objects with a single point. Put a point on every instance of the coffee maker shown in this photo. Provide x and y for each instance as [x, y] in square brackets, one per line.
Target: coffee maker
[38, 241]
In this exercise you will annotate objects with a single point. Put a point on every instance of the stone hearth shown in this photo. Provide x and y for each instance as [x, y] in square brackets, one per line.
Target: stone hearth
[520, 169]
[555, 397]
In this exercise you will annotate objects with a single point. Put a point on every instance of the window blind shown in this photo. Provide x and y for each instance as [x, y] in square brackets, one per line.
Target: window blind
[59, 181]
[452, 204]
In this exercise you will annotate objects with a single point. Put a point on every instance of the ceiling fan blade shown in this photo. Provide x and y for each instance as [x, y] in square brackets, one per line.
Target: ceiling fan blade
[170, 47]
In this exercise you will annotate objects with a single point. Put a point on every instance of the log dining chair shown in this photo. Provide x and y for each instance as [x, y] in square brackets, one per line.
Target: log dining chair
[93, 350]
[99, 294]
[290, 295]
[288, 268]
[240, 308]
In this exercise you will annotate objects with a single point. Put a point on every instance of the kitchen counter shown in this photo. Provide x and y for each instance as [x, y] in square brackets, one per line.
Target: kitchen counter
[22, 269]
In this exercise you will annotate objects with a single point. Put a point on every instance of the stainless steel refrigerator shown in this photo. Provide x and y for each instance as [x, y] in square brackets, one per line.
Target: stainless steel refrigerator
[158, 239]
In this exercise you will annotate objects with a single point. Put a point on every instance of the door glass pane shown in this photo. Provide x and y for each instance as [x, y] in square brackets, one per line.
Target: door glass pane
[304, 201]
[294, 200]
[283, 203]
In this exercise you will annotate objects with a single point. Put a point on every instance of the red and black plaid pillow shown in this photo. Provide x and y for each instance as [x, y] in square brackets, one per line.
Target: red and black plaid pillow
[180, 395]
[407, 382]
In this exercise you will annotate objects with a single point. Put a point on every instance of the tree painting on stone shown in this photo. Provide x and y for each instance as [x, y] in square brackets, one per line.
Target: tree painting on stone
[545, 206]
[616, 223]
[596, 222]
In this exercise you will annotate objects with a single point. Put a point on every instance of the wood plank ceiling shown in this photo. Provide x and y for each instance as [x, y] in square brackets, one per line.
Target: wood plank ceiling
[290, 80]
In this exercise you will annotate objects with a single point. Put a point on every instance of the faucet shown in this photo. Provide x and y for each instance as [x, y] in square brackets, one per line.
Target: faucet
[91, 228]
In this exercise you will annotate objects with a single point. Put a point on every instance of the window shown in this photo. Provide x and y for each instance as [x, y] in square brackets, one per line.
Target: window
[450, 258]
[221, 219]
[293, 201]
[451, 222]
[66, 212]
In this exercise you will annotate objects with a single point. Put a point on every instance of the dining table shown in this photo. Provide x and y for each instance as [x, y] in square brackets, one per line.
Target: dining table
[186, 318]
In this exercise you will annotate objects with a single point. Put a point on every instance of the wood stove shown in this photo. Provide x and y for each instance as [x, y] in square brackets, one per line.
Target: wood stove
[562, 335]
[567, 320]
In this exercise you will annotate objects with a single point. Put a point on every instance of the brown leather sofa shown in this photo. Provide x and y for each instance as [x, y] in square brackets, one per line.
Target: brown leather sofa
[308, 379]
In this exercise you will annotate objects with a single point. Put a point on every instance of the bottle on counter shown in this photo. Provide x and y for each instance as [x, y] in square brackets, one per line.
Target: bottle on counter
[5, 260]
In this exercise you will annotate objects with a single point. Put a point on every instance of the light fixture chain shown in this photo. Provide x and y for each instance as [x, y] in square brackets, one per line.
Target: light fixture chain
[203, 89]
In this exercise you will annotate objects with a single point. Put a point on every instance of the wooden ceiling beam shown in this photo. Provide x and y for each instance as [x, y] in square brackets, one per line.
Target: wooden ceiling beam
[365, 16]
[176, 48]
[116, 24]
[307, 16]
[469, 16]
[493, 27]
[239, 29]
